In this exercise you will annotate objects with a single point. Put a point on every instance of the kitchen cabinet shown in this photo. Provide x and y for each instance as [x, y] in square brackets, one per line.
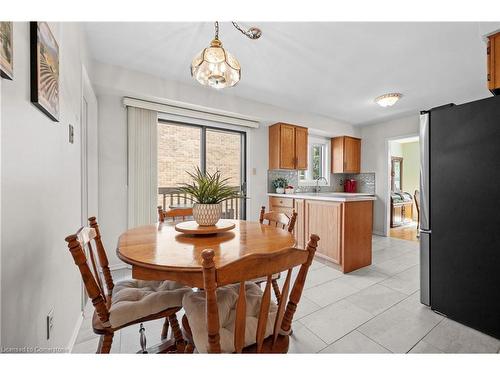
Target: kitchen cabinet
[287, 146]
[344, 227]
[346, 155]
[493, 62]
[299, 207]
[325, 220]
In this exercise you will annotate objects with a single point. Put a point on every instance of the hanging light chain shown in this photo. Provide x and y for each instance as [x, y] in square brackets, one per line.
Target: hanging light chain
[216, 30]
[252, 33]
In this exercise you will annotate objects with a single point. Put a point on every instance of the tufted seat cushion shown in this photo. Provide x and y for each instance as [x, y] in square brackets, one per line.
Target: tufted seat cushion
[227, 297]
[135, 299]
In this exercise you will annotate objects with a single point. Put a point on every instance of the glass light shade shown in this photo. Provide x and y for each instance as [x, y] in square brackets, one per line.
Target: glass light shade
[216, 67]
[388, 100]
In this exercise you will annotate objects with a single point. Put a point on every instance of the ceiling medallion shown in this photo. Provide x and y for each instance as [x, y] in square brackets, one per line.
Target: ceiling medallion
[388, 100]
[214, 66]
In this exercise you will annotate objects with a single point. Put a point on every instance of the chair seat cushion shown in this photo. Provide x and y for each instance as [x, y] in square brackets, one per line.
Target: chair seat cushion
[227, 297]
[136, 299]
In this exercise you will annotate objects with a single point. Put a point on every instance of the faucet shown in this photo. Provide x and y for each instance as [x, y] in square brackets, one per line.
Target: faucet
[317, 188]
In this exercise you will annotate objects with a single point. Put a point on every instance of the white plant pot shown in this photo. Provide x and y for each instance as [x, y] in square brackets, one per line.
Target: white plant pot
[280, 190]
[207, 214]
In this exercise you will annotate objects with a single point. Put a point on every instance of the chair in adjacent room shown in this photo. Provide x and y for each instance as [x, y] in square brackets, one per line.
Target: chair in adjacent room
[233, 315]
[127, 302]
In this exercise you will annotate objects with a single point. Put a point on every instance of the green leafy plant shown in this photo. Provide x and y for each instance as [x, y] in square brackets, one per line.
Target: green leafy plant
[280, 183]
[208, 188]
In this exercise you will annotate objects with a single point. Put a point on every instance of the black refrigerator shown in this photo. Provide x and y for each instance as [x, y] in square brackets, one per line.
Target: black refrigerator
[460, 212]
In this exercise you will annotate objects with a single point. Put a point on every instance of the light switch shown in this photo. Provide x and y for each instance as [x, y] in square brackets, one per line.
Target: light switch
[71, 134]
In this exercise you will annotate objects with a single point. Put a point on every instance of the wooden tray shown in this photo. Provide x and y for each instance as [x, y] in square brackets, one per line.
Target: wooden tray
[192, 227]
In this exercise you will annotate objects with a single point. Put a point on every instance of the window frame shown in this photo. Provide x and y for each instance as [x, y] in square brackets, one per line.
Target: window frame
[325, 144]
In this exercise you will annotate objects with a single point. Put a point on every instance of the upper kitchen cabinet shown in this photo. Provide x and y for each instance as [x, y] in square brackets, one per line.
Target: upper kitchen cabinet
[494, 63]
[346, 155]
[287, 146]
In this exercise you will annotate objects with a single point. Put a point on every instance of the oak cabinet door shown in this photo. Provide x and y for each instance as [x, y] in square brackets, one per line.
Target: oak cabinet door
[299, 224]
[287, 146]
[352, 155]
[301, 147]
[325, 220]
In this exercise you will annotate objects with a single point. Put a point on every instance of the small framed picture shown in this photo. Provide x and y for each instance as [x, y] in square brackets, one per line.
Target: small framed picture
[6, 50]
[44, 69]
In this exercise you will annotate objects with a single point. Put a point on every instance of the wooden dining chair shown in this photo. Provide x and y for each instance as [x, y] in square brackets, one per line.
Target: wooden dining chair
[232, 314]
[127, 302]
[279, 220]
[174, 213]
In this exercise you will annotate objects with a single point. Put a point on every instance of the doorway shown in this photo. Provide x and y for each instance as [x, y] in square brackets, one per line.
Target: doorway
[404, 180]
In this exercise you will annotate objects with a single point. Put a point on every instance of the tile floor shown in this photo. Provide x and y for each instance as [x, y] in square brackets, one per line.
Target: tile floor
[372, 310]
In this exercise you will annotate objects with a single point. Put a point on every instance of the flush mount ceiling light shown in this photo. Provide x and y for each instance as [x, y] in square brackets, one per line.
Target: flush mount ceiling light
[216, 67]
[388, 100]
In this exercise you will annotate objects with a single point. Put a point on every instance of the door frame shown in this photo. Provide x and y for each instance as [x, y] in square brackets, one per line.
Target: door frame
[388, 165]
[88, 157]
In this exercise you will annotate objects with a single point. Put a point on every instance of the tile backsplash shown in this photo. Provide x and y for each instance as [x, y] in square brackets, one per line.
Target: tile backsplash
[366, 181]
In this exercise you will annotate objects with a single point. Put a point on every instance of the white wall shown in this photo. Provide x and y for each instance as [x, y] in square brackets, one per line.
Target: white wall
[375, 158]
[40, 198]
[112, 83]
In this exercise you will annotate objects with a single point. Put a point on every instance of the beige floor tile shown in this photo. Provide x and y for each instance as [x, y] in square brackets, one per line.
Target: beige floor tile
[399, 329]
[376, 298]
[452, 337]
[355, 342]
[424, 348]
[303, 340]
[407, 282]
[336, 320]
[320, 276]
[363, 278]
[330, 292]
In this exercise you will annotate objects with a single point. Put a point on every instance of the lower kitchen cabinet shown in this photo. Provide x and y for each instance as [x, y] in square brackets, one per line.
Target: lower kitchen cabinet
[325, 219]
[344, 228]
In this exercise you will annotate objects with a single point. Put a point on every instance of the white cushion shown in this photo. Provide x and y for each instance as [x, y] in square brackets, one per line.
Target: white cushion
[135, 299]
[227, 297]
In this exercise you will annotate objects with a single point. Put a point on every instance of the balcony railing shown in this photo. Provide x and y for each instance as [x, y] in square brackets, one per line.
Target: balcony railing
[231, 209]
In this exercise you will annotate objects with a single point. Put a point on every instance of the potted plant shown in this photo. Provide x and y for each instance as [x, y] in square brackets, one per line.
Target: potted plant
[208, 191]
[279, 184]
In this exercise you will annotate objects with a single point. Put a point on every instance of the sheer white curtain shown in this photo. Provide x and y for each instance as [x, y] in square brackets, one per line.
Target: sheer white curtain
[142, 166]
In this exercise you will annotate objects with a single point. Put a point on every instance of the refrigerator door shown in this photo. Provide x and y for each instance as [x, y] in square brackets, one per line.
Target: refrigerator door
[464, 144]
[424, 210]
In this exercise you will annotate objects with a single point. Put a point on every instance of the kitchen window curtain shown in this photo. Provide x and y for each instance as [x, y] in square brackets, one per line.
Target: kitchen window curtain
[142, 166]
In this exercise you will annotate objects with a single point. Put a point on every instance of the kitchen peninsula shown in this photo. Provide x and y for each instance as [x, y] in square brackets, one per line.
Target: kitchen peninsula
[343, 221]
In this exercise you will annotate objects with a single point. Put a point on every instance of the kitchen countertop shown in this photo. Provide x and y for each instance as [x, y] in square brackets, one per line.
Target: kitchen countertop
[328, 196]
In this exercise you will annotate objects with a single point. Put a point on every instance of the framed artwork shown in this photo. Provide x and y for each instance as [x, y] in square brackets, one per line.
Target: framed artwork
[6, 50]
[44, 69]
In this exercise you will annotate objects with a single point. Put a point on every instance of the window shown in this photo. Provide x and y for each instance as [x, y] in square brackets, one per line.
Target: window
[318, 153]
[183, 147]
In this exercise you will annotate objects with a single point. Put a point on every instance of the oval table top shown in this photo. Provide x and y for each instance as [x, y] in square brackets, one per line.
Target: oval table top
[159, 252]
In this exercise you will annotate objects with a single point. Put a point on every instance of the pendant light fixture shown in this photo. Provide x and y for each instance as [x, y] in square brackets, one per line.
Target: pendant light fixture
[214, 66]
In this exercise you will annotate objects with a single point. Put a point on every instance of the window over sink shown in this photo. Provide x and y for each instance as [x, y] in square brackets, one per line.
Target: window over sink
[318, 154]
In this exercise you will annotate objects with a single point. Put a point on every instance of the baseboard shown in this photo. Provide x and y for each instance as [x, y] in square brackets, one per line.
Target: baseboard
[74, 335]
[379, 233]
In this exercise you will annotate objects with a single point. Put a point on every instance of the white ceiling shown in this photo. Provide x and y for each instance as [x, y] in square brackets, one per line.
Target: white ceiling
[335, 69]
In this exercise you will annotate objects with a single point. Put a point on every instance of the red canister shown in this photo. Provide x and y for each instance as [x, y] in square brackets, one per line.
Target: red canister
[350, 185]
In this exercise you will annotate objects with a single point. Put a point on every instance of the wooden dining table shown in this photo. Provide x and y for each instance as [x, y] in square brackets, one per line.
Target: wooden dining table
[159, 252]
